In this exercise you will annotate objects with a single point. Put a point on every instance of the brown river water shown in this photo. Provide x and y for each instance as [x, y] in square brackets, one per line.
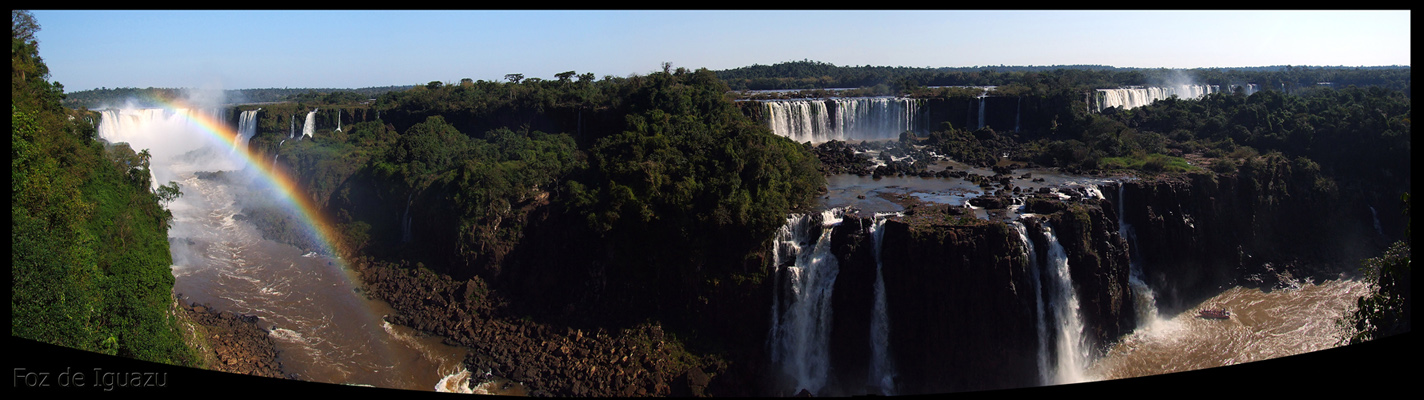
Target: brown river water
[1263, 325]
[324, 328]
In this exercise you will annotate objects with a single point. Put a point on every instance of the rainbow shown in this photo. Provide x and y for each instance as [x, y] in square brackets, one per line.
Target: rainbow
[287, 189]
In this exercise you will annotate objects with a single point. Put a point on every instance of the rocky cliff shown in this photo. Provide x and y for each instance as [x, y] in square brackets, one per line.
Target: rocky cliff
[962, 307]
[962, 300]
[1198, 233]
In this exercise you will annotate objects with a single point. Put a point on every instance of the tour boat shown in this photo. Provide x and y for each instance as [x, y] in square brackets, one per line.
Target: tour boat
[1215, 313]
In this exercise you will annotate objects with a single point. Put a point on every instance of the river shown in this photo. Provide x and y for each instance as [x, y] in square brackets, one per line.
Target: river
[1299, 319]
[325, 329]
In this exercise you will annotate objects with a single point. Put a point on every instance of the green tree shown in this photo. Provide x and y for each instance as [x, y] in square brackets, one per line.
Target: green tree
[90, 263]
[1387, 310]
[169, 192]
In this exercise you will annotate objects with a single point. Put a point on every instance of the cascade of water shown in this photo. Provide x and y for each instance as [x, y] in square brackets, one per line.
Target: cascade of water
[1044, 369]
[215, 114]
[277, 153]
[338, 120]
[170, 136]
[405, 222]
[1133, 97]
[1146, 299]
[246, 128]
[1375, 215]
[982, 101]
[882, 369]
[292, 127]
[1018, 112]
[310, 126]
[801, 320]
[1072, 354]
[860, 118]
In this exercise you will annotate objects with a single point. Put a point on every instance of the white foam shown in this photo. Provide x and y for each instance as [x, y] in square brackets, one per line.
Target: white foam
[458, 382]
[287, 335]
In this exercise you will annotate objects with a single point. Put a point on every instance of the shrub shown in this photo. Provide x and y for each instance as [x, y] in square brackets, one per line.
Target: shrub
[1223, 166]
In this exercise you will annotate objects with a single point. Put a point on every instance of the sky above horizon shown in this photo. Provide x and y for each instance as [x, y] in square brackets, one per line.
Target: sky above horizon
[355, 49]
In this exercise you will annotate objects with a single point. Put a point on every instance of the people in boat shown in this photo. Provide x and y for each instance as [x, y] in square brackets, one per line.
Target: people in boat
[1215, 313]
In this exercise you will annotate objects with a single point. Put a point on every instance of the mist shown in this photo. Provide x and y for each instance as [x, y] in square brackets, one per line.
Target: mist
[184, 151]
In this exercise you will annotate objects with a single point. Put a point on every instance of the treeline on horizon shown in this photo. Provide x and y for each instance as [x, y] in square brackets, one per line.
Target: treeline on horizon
[94, 99]
[808, 74]
[873, 80]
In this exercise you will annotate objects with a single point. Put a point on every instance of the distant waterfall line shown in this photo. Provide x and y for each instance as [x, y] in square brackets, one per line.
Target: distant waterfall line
[1138, 96]
[850, 118]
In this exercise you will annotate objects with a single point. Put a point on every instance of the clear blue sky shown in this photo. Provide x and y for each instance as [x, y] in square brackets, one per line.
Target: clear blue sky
[353, 49]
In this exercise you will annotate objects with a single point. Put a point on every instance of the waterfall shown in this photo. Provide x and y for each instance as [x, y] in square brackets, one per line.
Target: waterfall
[1072, 354]
[310, 126]
[214, 113]
[1044, 369]
[405, 223]
[1018, 112]
[1375, 215]
[276, 153]
[338, 120]
[1145, 299]
[1247, 89]
[982, 99]
[292, 127]
[1133, 97]
[246, 128]
[170, 135]
[857, 118]
[129, 126]
[801, 300]
[882, 370]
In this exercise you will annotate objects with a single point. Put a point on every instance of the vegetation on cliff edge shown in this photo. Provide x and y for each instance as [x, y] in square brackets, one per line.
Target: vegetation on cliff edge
[90, 261]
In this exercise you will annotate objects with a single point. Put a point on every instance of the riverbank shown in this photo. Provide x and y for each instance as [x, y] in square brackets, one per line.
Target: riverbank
[547, 359]
[229, 342]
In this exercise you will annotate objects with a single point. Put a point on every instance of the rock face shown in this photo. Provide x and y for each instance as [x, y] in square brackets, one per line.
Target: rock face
[961, 297]
[961, 307]
[961, 294]
[548, 359]
[852, 300]
[1200, 232]
[1099, 264]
